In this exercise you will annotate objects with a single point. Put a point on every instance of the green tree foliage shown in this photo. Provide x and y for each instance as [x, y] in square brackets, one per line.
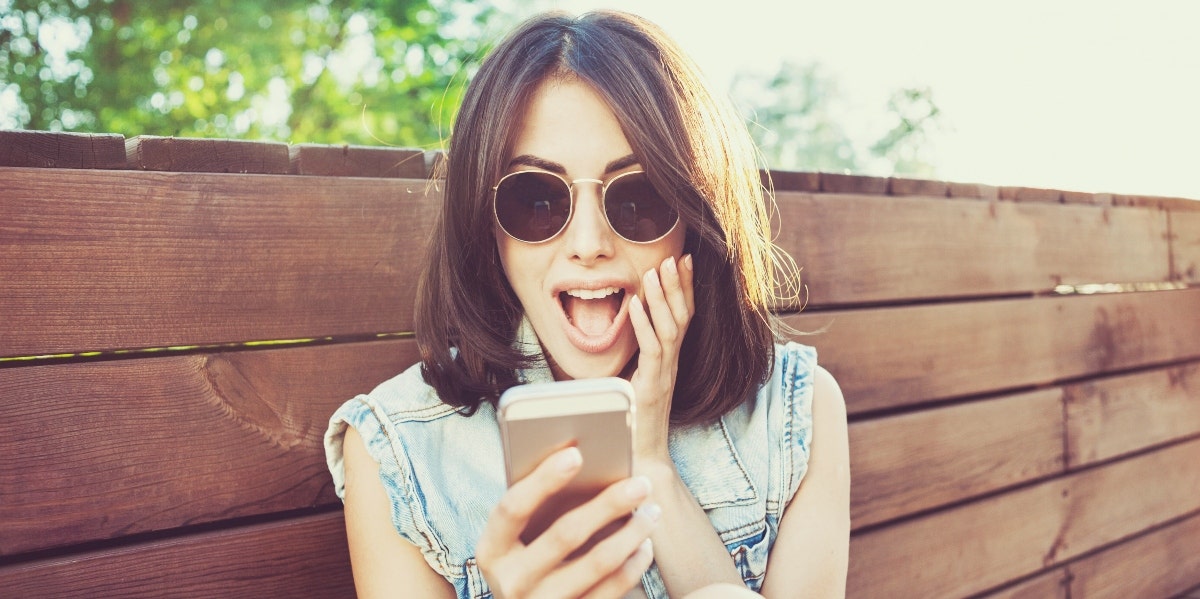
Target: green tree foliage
[794, 118]
[356, 71]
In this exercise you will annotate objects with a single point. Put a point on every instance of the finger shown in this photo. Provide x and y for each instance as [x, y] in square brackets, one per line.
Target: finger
[664, 323]
[519, 502]
[649, 348]
[672, 285]
[609, 562]
[627, 577]
[575, 527]
[687, 274]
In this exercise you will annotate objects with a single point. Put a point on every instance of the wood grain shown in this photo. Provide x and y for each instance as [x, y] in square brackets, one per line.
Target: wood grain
[1113, 416]
[984, 544]
[46, 149]
[1185, 245]
[899, 186]
[841, 183]
[891, 357]
[109, 449]
[960, 551]
[858, 249]
[1163, 563]
[1051, 585]
[101, 260]
[302, 557]
[193, 155]
[357, 161]
[911, 462]
[1126, 497]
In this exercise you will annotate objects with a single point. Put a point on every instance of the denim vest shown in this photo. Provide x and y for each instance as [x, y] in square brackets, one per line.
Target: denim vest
[444, 472]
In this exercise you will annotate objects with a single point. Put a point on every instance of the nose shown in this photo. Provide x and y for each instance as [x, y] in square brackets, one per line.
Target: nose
[588, 237]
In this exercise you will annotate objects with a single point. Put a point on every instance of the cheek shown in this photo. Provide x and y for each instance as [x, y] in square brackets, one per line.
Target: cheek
[523, 265]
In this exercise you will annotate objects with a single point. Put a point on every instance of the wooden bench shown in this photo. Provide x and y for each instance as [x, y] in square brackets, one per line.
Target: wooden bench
[178, 318]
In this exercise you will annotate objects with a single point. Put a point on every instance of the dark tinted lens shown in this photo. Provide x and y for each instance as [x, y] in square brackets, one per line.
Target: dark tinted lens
[635, 209]
[532, 206]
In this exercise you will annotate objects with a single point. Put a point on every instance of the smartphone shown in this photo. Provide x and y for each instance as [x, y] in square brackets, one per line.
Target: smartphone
[595, 415]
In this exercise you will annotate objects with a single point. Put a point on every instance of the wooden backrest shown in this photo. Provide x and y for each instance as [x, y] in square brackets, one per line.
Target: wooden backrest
[1021, 368]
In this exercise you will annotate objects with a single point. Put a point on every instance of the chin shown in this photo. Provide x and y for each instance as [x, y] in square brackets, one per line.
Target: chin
[575, 364]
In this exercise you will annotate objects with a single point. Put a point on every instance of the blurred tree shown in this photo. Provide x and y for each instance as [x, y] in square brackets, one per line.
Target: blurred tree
[796, 113]
[355, 71]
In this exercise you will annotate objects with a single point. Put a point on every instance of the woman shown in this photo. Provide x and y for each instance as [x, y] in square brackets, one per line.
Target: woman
[644, 254]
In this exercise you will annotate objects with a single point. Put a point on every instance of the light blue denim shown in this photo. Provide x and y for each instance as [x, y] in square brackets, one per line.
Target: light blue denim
[444, 472]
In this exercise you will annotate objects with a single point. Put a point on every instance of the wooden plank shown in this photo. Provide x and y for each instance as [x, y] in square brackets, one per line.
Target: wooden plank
[899, 186]
[302, 557]
[988, 543]
[1113, 416]
[857, 184]
[46, 149]
[1119, 500]
[912, 462]
[961, 551]
[108, 449]
[181, 154]
[972, 190]
[857, 249]
[889, 357]
[357, 161]
[1051, 585]
[1163, 563]
[1185, 246]
[100, 260]
[793, 180]
[1031, 194]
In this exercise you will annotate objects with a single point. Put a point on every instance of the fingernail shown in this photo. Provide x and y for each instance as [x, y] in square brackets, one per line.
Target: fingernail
[646, 547]
[687, 262]
[637, 487]
[669, 264]
[651, 511]
[569, 459]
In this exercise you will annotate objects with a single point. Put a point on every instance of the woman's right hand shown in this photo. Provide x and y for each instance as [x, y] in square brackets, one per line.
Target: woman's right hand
[540, 569]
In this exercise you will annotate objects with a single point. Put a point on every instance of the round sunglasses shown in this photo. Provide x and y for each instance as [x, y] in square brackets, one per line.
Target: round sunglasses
[535, 206]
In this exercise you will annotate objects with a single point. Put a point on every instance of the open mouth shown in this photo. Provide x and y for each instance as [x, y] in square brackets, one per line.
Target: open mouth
[592, 311]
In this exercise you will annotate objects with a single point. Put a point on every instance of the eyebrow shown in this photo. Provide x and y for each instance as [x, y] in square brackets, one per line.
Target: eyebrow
[554, 167]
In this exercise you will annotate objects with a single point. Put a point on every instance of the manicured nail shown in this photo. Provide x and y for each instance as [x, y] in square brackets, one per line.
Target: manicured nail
[669, 265]
[652, 277]
[687, 262]
[569, 459]
[651, 511]
[637, 487]
[646, 547]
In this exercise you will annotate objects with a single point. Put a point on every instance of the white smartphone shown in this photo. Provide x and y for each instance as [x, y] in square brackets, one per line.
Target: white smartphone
[595, 415]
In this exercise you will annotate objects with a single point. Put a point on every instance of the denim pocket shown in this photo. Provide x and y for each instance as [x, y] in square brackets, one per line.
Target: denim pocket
[750, 557]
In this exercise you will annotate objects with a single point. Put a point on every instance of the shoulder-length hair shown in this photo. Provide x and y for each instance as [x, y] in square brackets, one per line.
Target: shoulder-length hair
[696, 152]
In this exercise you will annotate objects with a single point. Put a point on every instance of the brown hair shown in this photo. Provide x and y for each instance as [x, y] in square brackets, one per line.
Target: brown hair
[696, 152]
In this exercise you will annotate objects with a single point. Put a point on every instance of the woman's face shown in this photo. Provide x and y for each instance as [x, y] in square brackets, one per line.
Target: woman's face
[566, 285]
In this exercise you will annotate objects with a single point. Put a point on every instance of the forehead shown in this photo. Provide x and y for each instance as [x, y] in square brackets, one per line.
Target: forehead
[569, 123]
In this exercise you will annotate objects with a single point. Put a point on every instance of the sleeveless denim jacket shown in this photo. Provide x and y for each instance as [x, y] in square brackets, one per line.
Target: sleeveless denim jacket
[444, 472]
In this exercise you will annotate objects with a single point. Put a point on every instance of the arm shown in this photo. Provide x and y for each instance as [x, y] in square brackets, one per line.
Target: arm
[384, 563]
[689, 553]
[811, 554]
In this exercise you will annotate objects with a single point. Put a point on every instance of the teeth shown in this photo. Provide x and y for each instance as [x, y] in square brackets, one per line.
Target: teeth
[589, 294]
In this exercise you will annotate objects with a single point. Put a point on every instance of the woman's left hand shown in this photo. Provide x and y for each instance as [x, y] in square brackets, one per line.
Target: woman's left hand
[659, 326]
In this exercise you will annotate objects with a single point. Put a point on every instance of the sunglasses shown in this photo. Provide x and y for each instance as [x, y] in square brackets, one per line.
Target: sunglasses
[535, 206]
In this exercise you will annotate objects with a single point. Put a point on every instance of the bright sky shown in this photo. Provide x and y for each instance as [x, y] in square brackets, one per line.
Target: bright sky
[1080, 95]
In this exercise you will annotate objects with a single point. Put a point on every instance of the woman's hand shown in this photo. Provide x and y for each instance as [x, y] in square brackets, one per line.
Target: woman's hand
[659, 326]
[609, 569]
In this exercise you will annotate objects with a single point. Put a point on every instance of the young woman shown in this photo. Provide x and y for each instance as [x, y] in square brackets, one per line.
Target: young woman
[603, 216]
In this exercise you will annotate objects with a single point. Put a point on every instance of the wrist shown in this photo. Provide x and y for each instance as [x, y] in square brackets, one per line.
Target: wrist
[658, 468]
